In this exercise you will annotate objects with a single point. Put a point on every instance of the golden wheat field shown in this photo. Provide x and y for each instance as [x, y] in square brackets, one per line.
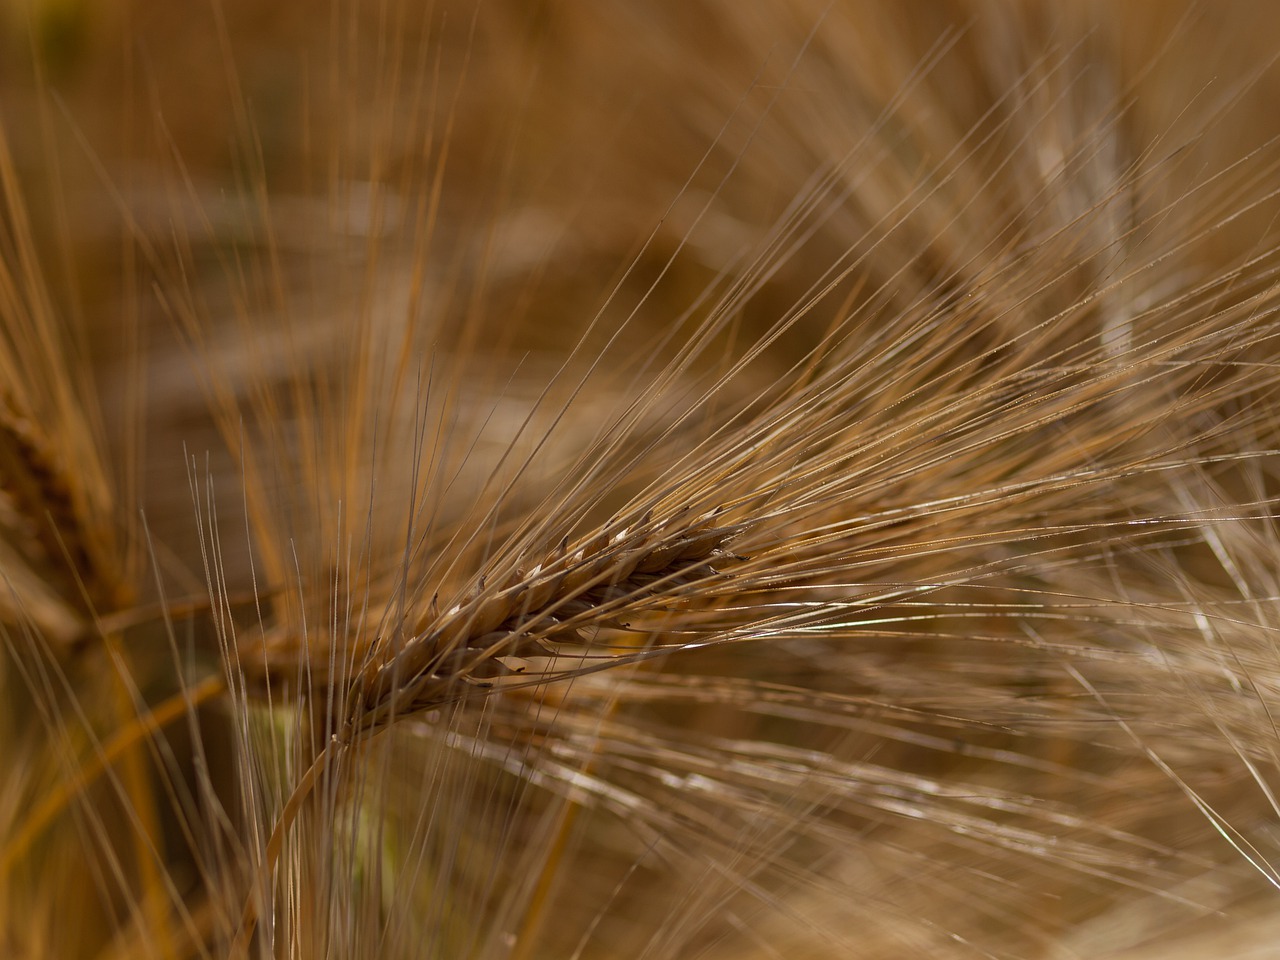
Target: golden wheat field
[562, 480]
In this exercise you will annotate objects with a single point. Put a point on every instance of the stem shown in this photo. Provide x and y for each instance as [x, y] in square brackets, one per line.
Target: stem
[304, 789]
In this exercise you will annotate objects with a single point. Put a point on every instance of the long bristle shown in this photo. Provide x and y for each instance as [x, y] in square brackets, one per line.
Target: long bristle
[693, 480]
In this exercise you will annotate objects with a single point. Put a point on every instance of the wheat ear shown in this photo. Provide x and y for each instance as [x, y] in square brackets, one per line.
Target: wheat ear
[547, 612]
[55, 501]
[484, 643]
